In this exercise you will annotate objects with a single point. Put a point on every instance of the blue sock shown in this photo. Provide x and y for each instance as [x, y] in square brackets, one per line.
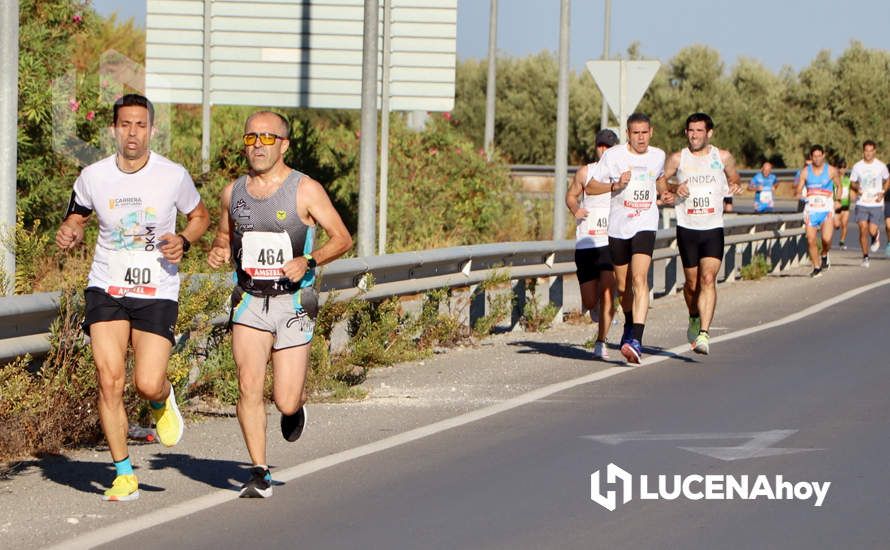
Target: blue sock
[124, 467]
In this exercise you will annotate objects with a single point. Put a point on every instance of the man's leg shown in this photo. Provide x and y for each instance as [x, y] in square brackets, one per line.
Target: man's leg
[844, 219]
[812, 247]
[691, 290]
[606, 308]
[588, 298]
[707, 290]
[827, 235]
[625, 297]
[639, 267]
[109, 340]
[251, 348]
[289, 366]
[152, 354]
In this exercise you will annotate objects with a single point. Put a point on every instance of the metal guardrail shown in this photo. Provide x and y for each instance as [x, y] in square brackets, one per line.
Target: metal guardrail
[25, 320]
[549, 170]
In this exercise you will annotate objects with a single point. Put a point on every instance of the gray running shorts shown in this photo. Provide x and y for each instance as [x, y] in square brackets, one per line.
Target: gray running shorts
[870, 214]
[290, 317]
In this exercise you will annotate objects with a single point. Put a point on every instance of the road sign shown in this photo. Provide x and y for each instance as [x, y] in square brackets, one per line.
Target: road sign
[294, 53]
[623, 84]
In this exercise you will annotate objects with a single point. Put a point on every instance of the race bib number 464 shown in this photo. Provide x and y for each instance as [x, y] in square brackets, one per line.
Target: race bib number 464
[134, 272]
[264, 254]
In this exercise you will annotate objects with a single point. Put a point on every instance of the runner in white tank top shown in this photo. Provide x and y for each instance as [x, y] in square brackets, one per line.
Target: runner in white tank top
[631, 174]
[704, 174]
[596, 275]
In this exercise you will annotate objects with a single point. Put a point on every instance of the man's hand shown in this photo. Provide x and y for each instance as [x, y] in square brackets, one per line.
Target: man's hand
[68, 236]
[735, 188]
[682, 190]
[296, 268]
[219, 256]
[668, 198]
[171, 247]
[580, 213]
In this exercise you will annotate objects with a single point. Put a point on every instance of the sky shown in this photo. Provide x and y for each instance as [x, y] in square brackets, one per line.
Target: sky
[774, 32]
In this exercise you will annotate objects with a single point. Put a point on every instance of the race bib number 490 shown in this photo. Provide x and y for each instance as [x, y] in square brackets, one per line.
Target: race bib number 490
[264, 254]
[134, 272]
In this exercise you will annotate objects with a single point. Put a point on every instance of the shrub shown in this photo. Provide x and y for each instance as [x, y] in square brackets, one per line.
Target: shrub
[757, 269]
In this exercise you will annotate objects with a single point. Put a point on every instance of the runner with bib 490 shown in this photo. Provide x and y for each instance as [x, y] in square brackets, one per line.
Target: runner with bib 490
[133, 289]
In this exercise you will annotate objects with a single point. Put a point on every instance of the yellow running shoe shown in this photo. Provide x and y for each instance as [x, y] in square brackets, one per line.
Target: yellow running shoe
[123, 489]
[168, 421]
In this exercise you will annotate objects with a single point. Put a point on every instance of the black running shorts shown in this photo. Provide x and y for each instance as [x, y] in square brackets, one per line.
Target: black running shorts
[591, 262]
[623, 249]
[695, 244]
[145, 314]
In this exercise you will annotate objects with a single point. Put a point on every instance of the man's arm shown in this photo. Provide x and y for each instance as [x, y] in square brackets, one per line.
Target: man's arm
[671, 165]
[313, 203]
[801, 181]
[220, 252]
[574, 192]
[732, 173]
[70, 233]
[198, 222]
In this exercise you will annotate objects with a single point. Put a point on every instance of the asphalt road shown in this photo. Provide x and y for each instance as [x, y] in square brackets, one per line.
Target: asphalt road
[521, 478]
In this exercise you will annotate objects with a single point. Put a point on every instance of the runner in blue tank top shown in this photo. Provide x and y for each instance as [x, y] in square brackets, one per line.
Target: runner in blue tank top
[820, 181]
[763, 184]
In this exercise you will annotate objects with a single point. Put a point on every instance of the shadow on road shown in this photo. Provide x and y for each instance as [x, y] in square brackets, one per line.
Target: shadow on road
[87, 477]
[555, 349]
[216, 473]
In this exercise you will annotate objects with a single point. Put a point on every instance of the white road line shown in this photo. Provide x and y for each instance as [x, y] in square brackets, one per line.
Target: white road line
[128, 527]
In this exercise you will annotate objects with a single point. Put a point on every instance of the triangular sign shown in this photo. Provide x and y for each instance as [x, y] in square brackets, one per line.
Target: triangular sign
[637, 76]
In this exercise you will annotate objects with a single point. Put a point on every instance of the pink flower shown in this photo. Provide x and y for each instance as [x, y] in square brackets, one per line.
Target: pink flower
[433, 151]
[73, 104]
[446, 116]
[77, 18]
[104, 83]
[458, 150]
[358, 134]
[91, 115]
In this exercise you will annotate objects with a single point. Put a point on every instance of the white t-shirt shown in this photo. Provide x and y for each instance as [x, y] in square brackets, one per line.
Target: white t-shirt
[633, 209]
[134, 210]
[871, 177]
[592, 231]
[706, 181]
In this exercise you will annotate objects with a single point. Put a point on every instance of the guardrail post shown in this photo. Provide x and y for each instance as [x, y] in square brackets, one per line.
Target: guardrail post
[519, 287]
[671, 267]
[555, 296]
[730, 264]
[477, 304]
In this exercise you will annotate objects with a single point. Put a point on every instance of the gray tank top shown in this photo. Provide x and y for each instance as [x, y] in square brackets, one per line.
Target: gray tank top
[276, 213]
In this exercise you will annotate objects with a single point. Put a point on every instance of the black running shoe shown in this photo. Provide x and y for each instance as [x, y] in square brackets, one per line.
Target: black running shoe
[259, 485]
[292, 425]
[826, 264]
[817, 272]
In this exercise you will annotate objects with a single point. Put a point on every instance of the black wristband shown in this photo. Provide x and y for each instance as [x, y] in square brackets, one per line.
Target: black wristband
[186, 245]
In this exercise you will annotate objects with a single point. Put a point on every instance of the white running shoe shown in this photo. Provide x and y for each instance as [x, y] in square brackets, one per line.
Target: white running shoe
[600, 351]
[864, 262]
[875, 244]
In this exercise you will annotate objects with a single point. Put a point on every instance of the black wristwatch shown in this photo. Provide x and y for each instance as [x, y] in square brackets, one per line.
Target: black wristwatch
[310, 261]
[186, 245]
